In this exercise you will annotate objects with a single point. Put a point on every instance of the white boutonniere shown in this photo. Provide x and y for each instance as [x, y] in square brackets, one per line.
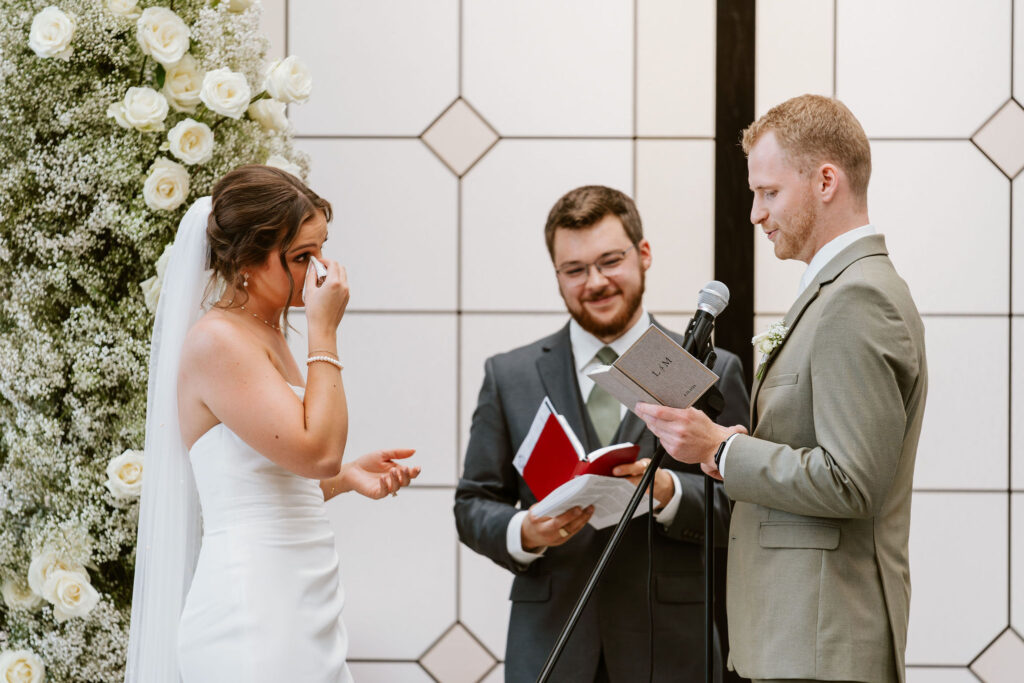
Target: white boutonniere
[768, 341]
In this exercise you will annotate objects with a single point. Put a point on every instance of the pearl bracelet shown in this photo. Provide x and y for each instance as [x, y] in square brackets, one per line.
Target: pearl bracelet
[325, 359]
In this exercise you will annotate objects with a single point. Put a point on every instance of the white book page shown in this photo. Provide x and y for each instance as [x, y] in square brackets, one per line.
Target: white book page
[526, 448]
[608, 495]
[607, 449]
[573, 439]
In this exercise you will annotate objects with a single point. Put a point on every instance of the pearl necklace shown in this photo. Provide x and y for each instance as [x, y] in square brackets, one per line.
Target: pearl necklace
[262, 320]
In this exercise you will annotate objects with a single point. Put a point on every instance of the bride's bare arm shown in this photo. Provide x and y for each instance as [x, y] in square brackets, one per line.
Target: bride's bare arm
[239, 383]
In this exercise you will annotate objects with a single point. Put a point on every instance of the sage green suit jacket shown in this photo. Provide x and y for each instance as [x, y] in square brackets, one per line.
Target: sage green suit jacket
[819, 577]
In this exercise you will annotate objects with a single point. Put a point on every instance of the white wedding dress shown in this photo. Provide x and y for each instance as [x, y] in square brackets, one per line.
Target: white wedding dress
[266, 598]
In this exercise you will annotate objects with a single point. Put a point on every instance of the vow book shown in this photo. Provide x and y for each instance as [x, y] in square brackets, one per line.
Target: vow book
[655, 369]
[562, 475]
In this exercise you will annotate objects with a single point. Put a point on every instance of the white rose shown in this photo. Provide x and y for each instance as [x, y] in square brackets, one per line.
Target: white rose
[116, 112]
[70, 593]
[191, 141]
[270, 114]
[124, 8]
[51, 32]
[124, 472]
[162, 35]
[151, 287]
[144, 109]
[226, 92]
[278, 161]
[239, 5]
[18, 595]
[166, 186]
[21, 666]
[288, 80]
[182, 83]
[46, 563]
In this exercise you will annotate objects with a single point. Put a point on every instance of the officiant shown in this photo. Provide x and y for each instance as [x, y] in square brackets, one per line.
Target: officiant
[600, 257]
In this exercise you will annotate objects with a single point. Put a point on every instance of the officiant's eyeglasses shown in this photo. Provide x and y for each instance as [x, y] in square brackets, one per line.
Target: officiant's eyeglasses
[575, 273]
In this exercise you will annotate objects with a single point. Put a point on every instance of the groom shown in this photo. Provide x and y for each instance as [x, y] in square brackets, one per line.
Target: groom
[595, 239]
[819, 576]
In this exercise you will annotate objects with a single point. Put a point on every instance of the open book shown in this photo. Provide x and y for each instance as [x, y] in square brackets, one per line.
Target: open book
[562, 475]
[655, 369]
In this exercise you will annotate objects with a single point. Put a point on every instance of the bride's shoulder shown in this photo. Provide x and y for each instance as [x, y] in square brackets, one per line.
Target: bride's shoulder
[216, 335]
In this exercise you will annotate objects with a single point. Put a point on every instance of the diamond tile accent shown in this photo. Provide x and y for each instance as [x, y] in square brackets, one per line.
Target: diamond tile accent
[1002, 138]
[457, 657]
[1002, 661]
[460, 137]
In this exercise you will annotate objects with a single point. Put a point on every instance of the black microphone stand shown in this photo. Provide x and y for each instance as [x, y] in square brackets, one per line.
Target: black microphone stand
[711, 403]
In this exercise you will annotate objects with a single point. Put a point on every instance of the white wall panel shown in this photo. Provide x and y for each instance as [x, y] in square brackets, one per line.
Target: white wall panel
[965, 389]
[675, 195]
[395, 226]
[912, 70]
[550, 68]
[398, 567]
[944, 210]
[387, 67]
[484, 589]
[675, 89]
[794, 53]
[505, 203]
[959, 574]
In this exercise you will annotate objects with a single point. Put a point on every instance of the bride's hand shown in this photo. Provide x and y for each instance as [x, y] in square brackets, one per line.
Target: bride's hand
[326, 304]
[376, 474]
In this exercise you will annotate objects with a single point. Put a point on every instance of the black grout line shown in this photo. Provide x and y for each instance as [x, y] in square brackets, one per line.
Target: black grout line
[1012, 36]
[636, 89]
[934, 138]
[998, 167]
[458, 357]
[990, 316]
[835, 48]
[539, 138]
[1009, 403]
[1001, 492]
[461, 57]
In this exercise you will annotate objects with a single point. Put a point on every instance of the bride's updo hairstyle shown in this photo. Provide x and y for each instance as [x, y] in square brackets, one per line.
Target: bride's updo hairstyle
[257, 210]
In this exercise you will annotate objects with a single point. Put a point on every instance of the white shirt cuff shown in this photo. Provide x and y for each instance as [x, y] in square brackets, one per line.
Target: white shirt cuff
[725, 452]
[668, 513]
[514, 540]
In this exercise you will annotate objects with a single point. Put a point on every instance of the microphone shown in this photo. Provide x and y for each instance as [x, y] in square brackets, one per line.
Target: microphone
[711, 301]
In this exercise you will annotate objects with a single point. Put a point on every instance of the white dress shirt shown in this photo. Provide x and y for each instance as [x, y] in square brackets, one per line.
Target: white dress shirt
[818, 261]
[584, 349]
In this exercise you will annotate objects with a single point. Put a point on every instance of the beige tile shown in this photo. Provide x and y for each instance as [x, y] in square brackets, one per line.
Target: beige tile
[1002, 138]
[1002, 661]
[675, 195]
[460, 137]
[793, 52]
[457, 658]
[675, 67]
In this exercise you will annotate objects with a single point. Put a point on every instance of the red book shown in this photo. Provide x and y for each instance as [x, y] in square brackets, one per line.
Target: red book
[552, 454]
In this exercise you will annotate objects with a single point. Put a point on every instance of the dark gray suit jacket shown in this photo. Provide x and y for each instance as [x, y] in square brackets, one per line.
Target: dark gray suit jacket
[616, 618]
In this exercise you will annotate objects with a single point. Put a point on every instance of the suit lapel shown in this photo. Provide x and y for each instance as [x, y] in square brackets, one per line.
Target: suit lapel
[872, 245]
[558, 375]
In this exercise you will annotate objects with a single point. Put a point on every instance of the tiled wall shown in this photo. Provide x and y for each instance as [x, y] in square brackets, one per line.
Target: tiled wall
[443, 131]
[926, 79]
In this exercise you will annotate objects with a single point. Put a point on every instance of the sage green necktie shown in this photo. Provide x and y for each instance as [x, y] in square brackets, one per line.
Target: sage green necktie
[602, 406]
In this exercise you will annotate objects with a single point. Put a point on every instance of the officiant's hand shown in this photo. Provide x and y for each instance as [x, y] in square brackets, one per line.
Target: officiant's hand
[664, 484]
[376, 474]
[540, 532]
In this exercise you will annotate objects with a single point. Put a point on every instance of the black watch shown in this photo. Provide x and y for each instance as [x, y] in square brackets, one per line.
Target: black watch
[718, 453]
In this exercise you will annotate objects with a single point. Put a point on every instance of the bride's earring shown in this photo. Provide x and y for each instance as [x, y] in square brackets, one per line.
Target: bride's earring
[245, 279]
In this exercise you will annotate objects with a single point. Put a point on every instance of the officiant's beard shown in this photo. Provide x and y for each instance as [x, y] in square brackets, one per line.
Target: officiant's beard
[633, 299]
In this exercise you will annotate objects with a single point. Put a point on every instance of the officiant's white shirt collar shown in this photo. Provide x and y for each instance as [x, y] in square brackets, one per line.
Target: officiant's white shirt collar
[585, 345]
[830, 251]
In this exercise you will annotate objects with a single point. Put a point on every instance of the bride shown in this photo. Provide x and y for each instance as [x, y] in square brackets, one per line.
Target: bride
[236, 573]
